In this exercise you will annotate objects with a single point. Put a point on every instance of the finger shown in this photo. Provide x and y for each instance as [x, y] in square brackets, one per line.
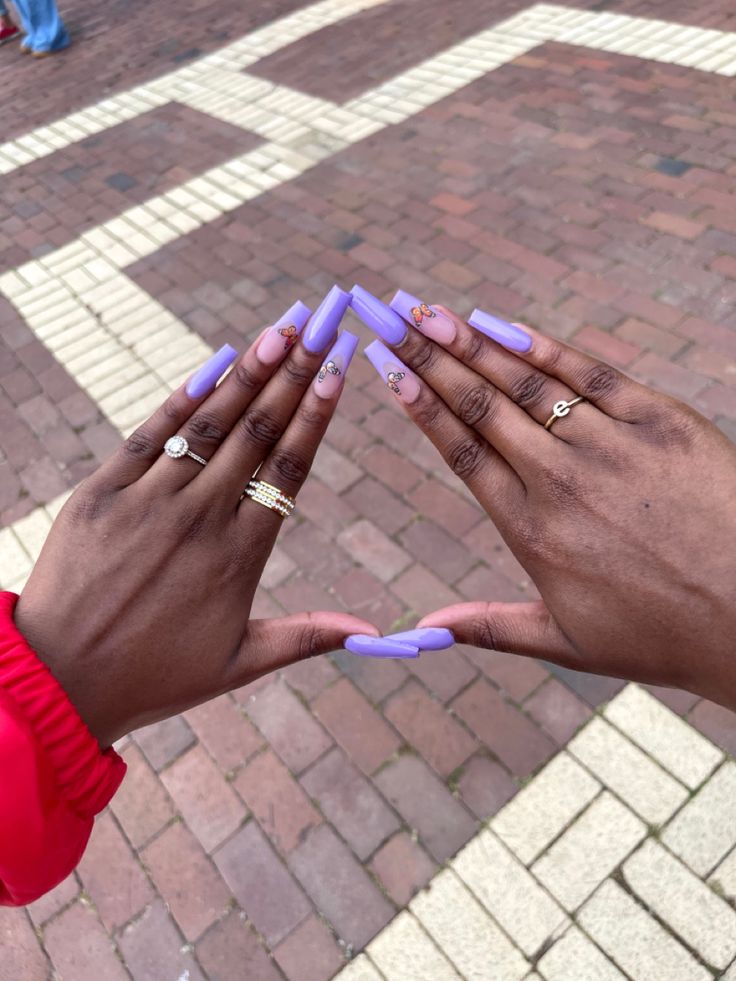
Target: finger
[487, 474]
[272, 644]
[525, 385]
[479, 404]
[261, 427]
[515, 628]
[136, 454]
[289, 462]
[207, 427]
[602, 385]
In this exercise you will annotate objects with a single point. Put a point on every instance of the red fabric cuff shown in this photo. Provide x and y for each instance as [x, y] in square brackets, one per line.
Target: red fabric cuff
[86, 777]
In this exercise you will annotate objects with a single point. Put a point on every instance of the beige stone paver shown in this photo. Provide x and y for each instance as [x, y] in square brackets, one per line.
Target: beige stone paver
[465, 933]
[628, 771]
[589, 851]
[544, 808]
[405, 953]
[667, 887]
[705, 829]
[640, 911]
[674, 744]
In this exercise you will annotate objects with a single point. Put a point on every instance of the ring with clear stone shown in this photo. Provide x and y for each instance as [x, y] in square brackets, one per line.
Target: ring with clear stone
[176, 447]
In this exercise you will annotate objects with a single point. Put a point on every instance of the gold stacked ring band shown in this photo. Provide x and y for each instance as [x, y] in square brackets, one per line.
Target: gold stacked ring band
[270, 497]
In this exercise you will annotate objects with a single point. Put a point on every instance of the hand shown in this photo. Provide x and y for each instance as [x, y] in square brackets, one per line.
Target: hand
[623, 513]
[140, 601]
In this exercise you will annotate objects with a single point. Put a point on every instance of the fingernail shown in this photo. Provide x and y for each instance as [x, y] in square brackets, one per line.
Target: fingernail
[380, 318]
[326, 320]
[205, 378]
[332, 372]
[402, 382]
[509, 335]
[379, 647]
[283, 334]
[429, 321]
[425, 638]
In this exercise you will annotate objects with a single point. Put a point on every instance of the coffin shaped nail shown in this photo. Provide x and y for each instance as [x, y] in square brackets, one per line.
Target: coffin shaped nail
[380, 318]
[205, 378]
[426, 638]
[433, 323]
[398, 378]
[509, 335]
[282, 335]
[379, 647]
[326, 319]
[332, 373]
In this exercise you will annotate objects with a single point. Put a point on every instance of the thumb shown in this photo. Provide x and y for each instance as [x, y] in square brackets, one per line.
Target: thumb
[272, 644]
[516, 628]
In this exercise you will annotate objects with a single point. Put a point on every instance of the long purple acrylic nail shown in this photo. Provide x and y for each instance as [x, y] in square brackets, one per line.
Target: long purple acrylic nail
[282, 335]
[431, 322]
[332, 373]
[205, 378]
[426, 638]
[326, 319]
[398, 378]
[378, 316]
[379, 647]
[509, 335]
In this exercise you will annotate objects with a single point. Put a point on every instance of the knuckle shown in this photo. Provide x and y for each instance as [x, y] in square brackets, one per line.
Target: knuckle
[140, 445]
[87, 504]
[313, 416]
[259, 427]
[478, 404]
[193, 524]
[171, 409]
[427, 413]
[290, 466]
[244, 378]
[207, 427]
[472, 346]
[530, 389]
[310, 641]
[424, 357]
[483, 634]
[466, 458]
[551, 356]
[297, 374]
[599, 381]
[673, 425]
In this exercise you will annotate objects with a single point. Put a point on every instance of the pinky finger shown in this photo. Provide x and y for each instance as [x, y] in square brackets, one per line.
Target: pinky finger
[145, 444]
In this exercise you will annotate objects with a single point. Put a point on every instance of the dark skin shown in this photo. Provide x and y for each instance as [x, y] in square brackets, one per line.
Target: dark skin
[140, 601]
[624, 513]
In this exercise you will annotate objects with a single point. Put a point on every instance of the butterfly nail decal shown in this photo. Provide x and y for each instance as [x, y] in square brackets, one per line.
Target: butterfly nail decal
[289, 335]
[392, 381]
[330, 367]
[422, 312]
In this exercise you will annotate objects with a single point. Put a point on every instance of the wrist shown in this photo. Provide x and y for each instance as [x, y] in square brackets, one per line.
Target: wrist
[86, 776]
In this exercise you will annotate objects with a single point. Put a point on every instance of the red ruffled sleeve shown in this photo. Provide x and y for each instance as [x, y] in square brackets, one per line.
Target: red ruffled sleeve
[54, 777]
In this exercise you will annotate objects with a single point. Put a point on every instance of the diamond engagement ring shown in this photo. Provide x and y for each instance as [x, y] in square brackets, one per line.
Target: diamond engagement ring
[177, 447]
[561, 409]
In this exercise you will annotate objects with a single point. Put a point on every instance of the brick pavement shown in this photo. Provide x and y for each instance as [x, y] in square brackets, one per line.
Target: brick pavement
[275, 832]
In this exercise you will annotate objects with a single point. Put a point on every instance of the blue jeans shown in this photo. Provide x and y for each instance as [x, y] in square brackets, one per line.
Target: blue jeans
[44, 28]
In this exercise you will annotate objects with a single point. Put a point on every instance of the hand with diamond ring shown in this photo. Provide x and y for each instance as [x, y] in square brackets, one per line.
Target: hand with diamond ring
[140, 601]
[619, 502]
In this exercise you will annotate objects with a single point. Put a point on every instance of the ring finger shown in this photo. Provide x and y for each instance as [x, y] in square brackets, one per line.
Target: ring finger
[541, 395]
[204, 431]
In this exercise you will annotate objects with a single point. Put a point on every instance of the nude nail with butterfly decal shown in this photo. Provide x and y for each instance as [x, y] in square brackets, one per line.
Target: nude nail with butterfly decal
[397, 377]
[332, 373]
[433, 323]
[281, 336]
